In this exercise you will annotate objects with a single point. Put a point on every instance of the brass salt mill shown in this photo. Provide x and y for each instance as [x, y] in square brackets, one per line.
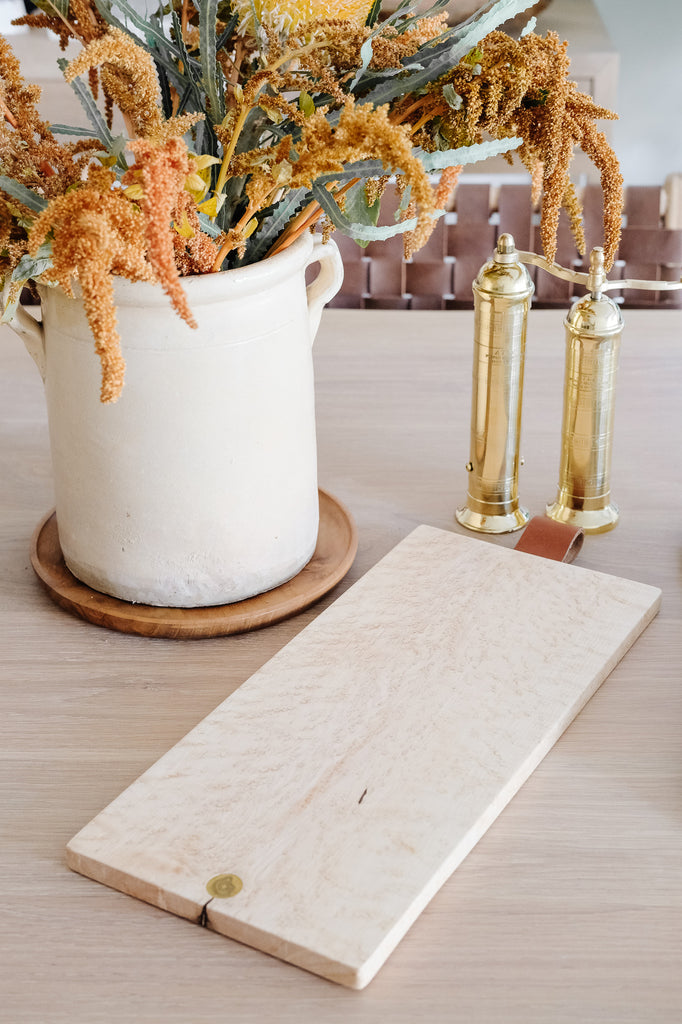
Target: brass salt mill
[502, 296]
[594, 326]
[593, 331]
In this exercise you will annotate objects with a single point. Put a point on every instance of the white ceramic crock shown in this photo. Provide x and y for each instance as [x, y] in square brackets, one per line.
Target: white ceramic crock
[199, 486]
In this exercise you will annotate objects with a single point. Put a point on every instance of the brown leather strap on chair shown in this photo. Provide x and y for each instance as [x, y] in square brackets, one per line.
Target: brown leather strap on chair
[545, 537]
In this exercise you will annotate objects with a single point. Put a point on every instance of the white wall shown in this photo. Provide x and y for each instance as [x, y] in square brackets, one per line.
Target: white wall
[648, 36]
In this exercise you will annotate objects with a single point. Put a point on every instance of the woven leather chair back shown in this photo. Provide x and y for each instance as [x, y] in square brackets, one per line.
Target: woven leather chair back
[440, 275]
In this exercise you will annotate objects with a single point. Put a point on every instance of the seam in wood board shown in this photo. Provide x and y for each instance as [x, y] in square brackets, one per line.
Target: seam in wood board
[203, 916]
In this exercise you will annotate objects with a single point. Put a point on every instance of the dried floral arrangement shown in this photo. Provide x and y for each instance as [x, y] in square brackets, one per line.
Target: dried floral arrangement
[248, 121]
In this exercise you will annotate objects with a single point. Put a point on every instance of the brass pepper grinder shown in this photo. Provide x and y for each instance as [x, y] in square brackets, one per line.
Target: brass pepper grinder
[502, 293]
[502, 296]
[593, 331]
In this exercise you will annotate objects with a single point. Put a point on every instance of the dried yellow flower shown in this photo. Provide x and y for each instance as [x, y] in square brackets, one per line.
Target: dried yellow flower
[162, 170]
[128, 77]
[96, 233]
[31, 155]
[195, 252]
[362, 131]
[521, 88]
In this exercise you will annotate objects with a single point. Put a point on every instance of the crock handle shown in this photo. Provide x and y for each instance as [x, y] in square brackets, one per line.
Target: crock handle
[326, 284]
[32, 333]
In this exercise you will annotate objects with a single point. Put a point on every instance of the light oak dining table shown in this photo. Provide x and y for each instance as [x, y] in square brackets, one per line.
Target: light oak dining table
[569, 909]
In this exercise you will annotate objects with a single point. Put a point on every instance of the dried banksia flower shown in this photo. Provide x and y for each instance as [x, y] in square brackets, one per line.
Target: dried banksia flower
[286, 15]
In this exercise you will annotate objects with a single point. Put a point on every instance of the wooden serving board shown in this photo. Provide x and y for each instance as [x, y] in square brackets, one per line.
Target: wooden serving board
[317, 810]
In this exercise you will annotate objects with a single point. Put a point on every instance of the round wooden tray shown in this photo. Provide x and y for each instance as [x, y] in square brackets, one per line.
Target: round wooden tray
[337, 544]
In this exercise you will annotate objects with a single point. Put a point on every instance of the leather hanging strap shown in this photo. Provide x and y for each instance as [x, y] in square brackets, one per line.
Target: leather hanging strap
[545, 537]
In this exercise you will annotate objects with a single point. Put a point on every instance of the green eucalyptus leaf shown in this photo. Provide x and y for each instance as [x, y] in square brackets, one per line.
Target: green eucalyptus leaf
[228, 30]
[208, 225]
[452, 98]
[438, 161]
[359, 169]
[118, 146]
[356, 207]
[407, 12]
[192, 70]
[366, 54]
[360, 232]
[146, 27]
[192, 95]
[164, 84]
[61, 7]
[390, 72]
[274, 223]
[33, 266]
[431, 161]
[366, 50]
[87, 101]
[373, 13]
[69, 129]
[104, 8]
[211, 73]
[437, 57]
[404, 201]
[26, 268]
[100, 129]
[26, 196]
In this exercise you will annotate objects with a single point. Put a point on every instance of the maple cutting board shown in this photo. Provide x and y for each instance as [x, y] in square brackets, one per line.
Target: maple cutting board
[317, 810]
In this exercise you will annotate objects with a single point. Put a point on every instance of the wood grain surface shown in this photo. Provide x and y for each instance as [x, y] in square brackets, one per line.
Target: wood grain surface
[568, 911]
